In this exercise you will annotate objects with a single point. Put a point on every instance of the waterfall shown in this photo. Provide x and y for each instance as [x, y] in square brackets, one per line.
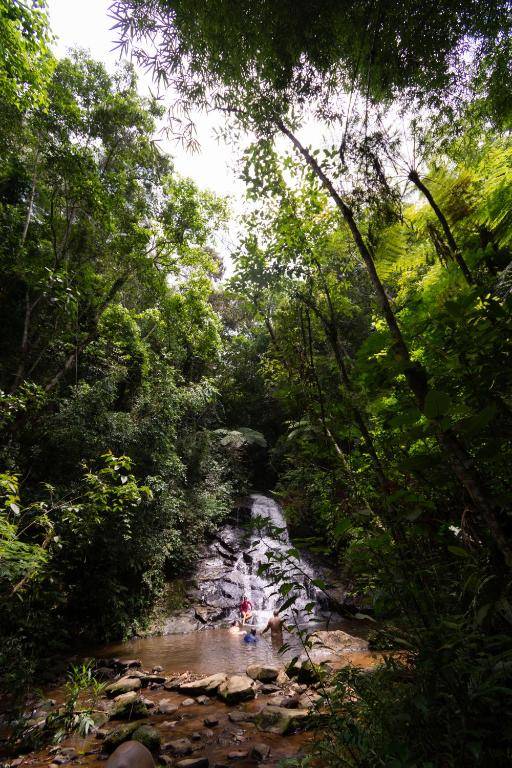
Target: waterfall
[229, 569]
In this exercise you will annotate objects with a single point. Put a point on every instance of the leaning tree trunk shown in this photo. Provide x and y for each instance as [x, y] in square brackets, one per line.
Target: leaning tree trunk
[460, 460]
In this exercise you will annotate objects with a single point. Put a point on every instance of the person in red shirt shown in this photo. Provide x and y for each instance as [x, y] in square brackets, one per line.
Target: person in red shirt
[245, 609]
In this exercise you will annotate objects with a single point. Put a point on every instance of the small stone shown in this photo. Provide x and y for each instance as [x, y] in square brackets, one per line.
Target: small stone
[239, 754]
[237, 716]
[269, 688]
[263, 674]
[237, 688]
[169, 724]
[203, 699]
[187, 702]
[157, 669]
[211, 722]
[196, 736]
[193, 762]
[166, 760]
[148, 702]
[260, 751]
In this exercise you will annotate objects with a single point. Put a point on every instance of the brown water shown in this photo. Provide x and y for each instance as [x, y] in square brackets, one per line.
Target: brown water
[213, 650]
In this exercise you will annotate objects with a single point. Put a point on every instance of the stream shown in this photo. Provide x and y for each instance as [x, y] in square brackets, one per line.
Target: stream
[206, 639]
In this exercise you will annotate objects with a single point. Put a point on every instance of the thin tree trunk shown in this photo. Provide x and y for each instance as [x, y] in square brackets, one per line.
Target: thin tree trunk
[460, 460]
[454, 249]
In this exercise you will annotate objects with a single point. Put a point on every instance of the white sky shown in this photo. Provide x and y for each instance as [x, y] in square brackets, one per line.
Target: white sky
[86, 24]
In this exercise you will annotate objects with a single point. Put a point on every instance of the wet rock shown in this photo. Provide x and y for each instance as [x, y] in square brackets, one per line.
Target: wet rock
[196, 736]
[148, 736]
[263, 674]
[239, 716]
[152, 680]
[119, 735]
[193, 762]
[104, 674]
[157, 669]
[289, 702]
[178, 747]
[187, 702]
[203, 700]
[238, 754]
[280, 720]
[166, 707]
[237, 688]
[129, 663]
[268, 688]
[211, 722]
[124, 685]
[128, 707]
[131, 753]
[208, 734]
[150, 704]
[203, 686]
[260, 751]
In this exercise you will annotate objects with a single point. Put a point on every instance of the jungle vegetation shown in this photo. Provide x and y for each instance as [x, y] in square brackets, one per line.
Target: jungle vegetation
[366, 332]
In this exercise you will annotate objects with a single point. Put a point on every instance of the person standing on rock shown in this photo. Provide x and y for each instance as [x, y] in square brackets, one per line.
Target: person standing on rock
[245, 609]
[275, 624]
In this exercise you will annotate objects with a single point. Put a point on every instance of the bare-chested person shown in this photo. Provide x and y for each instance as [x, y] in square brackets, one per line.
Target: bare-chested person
[275, 624]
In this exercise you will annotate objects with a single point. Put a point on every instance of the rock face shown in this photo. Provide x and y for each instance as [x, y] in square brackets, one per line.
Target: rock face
[281, 720]
[236, 689]
[263, 674]
[124, 685]
[205, 686]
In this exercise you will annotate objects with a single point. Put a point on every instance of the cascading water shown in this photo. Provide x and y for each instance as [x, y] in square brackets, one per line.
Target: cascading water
[230, 567]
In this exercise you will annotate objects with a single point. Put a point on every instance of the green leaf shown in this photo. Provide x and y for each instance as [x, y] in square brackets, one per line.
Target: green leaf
[436, 404]
[458, 551]
[342, 526]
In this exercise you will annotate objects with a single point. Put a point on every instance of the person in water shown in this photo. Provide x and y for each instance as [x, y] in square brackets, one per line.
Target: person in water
[245, 608]
[275, 624]
[250, 637]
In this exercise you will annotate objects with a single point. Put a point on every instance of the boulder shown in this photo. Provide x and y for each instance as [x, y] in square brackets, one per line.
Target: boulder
[204, 686]
[280, 720]
[263, 674]
[193, 762]
[124, 685]
[260, 751]
[119, 735]
[236, 689]
[128, 707]
[149, 736]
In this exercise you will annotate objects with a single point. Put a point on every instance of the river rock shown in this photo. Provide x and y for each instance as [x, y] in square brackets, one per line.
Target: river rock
[203, 686]
[280, 720]
[120, 734]
[152, 680]
[268, 688]
[166, 707]
[128, 707]
[237, 688]
[203, 699]
[157, 669]
[178, 747]
[193, 762]
[239, 716]
[148, 736]
[238, 755]
[188, 702]
[263, 674]
[211, 722]
[128, 663]
[104, 674]
[124, 685]
[289, 702]
[260, 751]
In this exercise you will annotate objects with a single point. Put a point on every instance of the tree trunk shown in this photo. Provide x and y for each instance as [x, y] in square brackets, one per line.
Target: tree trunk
[460, 460]
[454, 249]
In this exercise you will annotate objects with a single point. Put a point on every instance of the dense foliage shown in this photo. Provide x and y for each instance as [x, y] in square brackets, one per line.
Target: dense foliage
[112, 471]
[366, 332]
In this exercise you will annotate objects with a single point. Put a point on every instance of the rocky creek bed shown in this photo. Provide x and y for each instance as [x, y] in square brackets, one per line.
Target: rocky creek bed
[258, 715]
